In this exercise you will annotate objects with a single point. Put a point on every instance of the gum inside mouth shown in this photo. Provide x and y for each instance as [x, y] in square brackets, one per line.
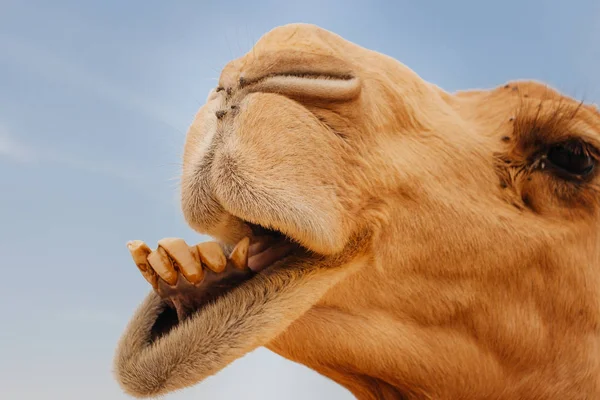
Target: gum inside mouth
[268, 246]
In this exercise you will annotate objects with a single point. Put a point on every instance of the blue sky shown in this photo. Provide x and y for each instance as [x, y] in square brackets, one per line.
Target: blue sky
[95, 98]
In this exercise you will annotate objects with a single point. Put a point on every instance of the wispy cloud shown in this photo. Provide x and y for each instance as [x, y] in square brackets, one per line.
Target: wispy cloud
[10, 148]
[14, 150]
[56, 68]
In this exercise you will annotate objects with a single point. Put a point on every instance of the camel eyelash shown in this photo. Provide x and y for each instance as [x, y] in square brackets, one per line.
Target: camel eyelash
[540, 125]
[548, 142]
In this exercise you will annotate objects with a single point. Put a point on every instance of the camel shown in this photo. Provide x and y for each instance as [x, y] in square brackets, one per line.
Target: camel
[403, 241]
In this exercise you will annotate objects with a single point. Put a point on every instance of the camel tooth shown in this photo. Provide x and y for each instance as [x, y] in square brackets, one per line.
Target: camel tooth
[239, 255]
[186, 261]
[211, 255]
[139, 252]
[161, 263]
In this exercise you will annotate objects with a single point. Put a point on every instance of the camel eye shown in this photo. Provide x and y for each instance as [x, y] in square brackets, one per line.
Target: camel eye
[571, 158]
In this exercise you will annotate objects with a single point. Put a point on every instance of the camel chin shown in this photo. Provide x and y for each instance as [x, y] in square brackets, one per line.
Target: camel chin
[401, 240]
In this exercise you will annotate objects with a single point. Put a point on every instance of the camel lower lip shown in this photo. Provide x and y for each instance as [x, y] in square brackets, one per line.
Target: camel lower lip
[265, 251]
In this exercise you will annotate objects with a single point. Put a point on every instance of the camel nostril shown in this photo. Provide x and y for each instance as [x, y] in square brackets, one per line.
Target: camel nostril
[329, 86]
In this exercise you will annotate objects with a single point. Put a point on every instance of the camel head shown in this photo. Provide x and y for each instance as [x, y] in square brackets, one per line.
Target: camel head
[422, 244]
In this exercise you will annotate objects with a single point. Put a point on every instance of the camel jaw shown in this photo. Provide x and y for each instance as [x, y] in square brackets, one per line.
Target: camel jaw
[158, 354]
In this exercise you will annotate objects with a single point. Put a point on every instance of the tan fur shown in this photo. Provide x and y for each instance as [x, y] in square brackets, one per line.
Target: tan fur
[444, 267]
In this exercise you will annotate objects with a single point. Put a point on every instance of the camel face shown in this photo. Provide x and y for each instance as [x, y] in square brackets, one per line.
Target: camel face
[435, 238]
[319, 139]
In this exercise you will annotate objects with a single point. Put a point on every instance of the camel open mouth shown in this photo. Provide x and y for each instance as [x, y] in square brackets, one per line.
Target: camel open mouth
[188, 278]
